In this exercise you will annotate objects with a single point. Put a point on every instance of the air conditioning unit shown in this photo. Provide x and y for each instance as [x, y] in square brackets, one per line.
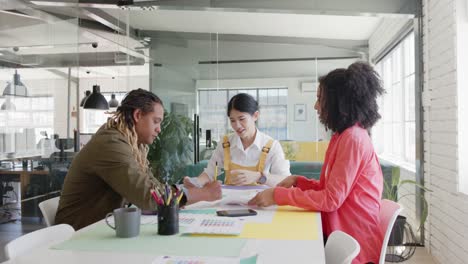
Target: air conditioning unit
[31, 60]
[121, 58]
[308, 87]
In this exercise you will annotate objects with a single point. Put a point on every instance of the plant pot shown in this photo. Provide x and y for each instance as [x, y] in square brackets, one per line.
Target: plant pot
[398, 232]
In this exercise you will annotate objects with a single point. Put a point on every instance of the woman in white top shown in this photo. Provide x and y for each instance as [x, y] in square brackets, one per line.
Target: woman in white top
[248, 156]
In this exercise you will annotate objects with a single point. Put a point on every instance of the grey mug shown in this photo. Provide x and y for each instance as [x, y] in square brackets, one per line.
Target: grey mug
[126, 221]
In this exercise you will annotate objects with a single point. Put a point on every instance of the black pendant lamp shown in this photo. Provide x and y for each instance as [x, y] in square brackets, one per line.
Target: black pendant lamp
[113, 102]
[87, 94]
[17, 88]
[8, 105]
[96, 100]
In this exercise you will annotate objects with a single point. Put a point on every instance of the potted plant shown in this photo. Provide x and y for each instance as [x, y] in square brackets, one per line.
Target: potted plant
[390, 192]
[173, 148]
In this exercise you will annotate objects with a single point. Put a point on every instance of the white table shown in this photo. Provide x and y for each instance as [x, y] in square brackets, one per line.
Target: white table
[269, 251]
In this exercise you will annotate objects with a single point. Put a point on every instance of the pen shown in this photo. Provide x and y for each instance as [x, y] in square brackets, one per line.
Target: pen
[180, 197]
[169, 197]
[216, 171]
[155, 197]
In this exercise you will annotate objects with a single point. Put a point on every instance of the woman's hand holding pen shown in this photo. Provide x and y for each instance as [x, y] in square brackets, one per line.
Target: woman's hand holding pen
[244, 177]
[288, 182]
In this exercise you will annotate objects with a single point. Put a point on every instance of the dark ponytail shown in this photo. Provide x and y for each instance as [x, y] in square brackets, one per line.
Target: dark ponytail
[242, 102]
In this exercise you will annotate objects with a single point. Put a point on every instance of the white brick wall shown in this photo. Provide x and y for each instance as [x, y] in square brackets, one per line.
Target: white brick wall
[447, 225]
[447, 237]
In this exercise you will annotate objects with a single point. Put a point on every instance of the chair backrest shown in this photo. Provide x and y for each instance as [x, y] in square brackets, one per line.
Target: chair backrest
[49, 210]
[44, 237]
[389, 212]
[341, 248]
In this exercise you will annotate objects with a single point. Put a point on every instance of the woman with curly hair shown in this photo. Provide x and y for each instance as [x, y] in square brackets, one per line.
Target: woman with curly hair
[113, 166]
[349, 191]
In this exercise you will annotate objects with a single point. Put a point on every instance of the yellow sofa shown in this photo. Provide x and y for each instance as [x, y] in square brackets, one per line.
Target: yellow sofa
[304, 150]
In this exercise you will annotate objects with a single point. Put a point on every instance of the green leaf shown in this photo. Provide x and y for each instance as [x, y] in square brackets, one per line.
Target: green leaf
[415, 183]
[173, 149]
[395, 176]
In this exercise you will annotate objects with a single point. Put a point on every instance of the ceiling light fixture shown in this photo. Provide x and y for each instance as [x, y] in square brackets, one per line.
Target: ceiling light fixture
[87, 94]
[113, 102]
[17, 88]
[8, 105]
[96, 100]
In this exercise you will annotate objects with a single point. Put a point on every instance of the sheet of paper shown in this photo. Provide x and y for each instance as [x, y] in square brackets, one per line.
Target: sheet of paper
[213, 225]
[294, 223]
[241, 197]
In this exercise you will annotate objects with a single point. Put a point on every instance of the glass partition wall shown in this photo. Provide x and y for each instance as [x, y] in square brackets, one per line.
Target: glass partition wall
[38, 63]
[50, 55]
[194, 58]
[198, 73]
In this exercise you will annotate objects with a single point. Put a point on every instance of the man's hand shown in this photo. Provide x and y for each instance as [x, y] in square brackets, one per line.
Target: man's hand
[191, 182]
[288, 182]
[264, 199]
[210, 192]
[244, 177]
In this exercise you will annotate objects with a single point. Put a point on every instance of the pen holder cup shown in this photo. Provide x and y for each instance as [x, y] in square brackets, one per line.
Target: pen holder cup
[168, 220]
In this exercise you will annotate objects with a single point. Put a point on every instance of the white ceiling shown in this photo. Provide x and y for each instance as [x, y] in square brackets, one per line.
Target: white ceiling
[82, 72]
[253, 23]
[181, 55]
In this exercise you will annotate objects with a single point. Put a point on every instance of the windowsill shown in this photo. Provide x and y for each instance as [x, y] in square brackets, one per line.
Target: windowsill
[398, 162]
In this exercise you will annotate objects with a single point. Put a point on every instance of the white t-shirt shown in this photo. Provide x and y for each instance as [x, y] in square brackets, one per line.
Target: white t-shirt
[275, 163]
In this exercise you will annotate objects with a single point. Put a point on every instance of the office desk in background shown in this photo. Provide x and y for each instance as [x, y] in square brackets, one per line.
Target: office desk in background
[24, 176]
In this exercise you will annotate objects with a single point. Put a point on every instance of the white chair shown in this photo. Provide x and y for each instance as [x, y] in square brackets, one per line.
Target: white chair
[49, 210]
[341, 248]
[40, 238]
[389, 212]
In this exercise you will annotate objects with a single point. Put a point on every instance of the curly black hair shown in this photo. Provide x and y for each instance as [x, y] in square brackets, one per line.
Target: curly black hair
[349, 96]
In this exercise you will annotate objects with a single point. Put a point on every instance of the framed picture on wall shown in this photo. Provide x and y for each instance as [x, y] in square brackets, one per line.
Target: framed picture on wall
[300, 112]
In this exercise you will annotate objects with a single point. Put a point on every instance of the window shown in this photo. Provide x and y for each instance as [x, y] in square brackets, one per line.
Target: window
[462, 94]
[395, 133]
[272, 103]
[24, 121]
[94, 119]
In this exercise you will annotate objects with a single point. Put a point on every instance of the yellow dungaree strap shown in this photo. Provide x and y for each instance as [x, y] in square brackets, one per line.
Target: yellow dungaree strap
[227, 157]
[263, 155]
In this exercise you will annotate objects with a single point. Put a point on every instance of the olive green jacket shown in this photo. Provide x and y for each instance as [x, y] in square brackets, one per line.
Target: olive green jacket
[102, 174]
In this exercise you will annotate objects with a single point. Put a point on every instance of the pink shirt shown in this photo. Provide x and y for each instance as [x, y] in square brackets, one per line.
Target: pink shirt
[348, 193]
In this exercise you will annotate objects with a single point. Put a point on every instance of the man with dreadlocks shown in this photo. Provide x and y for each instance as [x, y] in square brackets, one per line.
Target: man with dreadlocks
[113, 166]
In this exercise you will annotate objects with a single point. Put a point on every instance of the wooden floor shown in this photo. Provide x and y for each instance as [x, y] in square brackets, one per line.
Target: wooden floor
[14, 229]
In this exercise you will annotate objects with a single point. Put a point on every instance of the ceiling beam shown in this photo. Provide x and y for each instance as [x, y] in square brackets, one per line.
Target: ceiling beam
[111, 22]
[381, 8]
[278, 60]
[324, 7]
[63, 75]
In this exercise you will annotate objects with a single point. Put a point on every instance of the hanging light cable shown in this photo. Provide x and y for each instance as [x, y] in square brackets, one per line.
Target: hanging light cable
[96, 100]
[113, 102]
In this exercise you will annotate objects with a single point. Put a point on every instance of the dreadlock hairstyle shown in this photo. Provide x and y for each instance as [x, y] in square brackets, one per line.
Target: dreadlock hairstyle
[122, 120]
[349, 96]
